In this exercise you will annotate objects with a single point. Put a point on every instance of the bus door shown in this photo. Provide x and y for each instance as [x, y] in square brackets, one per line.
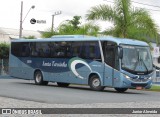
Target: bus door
[109, 59]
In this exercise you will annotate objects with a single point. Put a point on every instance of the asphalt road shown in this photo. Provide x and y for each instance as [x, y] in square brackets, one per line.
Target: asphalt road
[74, 94]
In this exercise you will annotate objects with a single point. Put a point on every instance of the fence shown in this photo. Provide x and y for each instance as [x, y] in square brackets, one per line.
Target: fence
[157, 78]
[4, 66]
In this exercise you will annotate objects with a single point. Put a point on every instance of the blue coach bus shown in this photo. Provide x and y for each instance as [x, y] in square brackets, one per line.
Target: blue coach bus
[76, 59]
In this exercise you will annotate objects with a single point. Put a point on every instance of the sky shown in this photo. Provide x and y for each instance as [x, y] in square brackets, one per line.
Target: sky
[44, 9]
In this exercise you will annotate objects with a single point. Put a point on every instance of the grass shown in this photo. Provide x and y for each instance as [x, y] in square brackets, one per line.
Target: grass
[155, 88]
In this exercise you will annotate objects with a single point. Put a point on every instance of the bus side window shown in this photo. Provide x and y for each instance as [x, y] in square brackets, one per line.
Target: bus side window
[34, 52]
[41, 52]
[52, 50]
[110, 54]
[76, 49]
[25, 51]
[20, 49]
[93, 51]
[68, 50]
[83, 51]
[61, 50]
[88, 50]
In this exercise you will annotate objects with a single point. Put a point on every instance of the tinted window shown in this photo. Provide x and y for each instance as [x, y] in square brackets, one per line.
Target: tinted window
[51, 49]
[110, 54]
[61, 50]
[76, 49]
[20, 49]
[85, 50]
[90, 50]
[40, 49]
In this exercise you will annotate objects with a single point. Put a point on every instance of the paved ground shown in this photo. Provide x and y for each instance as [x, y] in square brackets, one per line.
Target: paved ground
[66, 98]
[75, 94]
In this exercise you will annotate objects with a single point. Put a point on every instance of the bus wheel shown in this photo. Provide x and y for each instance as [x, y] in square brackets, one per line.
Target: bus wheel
[95, 83]
[38, 77]
[62, 84]
[121, 90]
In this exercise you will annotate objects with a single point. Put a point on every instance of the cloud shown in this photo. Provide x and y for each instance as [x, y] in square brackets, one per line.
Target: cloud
[44, 9]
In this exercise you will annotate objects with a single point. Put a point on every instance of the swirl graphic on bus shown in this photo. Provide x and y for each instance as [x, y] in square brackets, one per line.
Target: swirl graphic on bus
[72, 65]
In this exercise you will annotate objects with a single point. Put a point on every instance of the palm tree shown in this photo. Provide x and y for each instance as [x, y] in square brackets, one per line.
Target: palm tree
[128, 22]
[89, 29]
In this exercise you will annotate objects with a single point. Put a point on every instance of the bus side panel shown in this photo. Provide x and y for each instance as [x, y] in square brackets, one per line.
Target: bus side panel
[117, 80]
[18, 68]
[98, 68]
[108, 75]
[73, 70]
[76, 72]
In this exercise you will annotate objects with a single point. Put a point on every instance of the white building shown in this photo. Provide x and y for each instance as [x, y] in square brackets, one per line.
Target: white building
[6, 34]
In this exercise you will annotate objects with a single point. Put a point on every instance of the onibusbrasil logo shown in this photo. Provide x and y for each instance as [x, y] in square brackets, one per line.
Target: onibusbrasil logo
[34, 21]
[72, 65]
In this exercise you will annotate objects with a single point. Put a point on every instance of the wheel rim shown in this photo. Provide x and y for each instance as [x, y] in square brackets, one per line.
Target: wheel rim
[38, 78]
[96, 82]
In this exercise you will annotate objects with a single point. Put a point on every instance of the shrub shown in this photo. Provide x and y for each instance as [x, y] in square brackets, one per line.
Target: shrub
[4, 51]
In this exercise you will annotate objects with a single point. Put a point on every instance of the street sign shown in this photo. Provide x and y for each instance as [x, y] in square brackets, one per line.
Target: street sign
[156, 52]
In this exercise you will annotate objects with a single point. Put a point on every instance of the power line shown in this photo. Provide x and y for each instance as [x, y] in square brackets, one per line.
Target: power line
[148, 9]
[152, 9]
[139, 3]
[108, 1]
[145, 4]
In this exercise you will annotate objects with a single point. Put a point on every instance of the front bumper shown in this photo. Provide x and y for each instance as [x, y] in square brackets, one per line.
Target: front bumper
[124, 82]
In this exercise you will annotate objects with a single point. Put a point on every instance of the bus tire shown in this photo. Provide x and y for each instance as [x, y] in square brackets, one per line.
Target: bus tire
[121, 90]
[60, 84]
[38, 77]
[95, 83]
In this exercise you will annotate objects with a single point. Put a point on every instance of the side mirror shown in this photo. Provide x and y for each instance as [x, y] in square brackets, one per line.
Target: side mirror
[120, 52]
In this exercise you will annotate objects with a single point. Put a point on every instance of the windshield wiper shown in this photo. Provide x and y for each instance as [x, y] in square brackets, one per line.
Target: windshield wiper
[145, 65]
[141, 60]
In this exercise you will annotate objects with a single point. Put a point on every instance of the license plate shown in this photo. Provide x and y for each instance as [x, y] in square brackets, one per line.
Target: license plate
[139, 88]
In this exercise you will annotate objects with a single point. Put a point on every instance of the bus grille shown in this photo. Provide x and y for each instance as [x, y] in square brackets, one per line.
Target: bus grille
[139, 80]
[141, 85]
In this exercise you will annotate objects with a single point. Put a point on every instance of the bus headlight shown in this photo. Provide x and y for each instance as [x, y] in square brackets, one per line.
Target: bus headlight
[150, 78]
[127, 77]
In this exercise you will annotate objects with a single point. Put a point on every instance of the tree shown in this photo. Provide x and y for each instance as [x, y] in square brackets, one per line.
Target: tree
[70, 27]
[30, 37]
[75, 22]
[48, 33]
[128, 22]
[66, 28]
[73, 27]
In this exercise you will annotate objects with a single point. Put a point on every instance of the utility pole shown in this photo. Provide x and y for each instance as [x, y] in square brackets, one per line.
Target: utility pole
[21, 15]
[56, 13]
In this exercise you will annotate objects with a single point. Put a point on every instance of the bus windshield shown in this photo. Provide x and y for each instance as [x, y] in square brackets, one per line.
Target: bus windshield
[137, 59]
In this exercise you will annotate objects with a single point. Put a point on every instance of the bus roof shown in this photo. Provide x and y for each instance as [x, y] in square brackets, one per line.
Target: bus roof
[58, 38]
